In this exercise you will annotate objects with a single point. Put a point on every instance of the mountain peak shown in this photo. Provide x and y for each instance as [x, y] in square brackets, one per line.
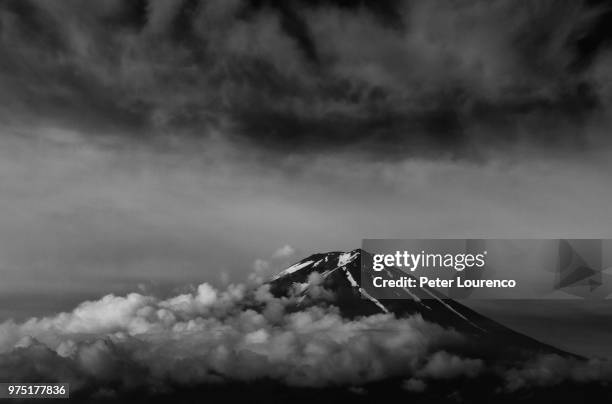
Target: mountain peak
[340, 273]
[312, 262]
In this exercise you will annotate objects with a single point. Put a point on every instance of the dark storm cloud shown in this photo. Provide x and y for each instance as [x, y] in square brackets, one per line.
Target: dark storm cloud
[393, 77]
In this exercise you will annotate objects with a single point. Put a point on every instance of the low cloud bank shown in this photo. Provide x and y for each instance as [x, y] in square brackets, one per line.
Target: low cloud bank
[550, 370]
[242, 334]
[211, 336]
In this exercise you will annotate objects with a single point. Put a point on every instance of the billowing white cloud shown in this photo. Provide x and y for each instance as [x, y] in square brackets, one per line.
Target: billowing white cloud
[551, 370]
[244, 333]
[284, 252]
[209, 335]
[443, 365]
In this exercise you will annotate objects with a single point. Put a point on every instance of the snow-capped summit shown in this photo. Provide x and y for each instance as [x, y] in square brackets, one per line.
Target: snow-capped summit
[312, 262]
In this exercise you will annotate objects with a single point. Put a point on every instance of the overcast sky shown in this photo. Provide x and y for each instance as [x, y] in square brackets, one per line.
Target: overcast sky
[152, 143]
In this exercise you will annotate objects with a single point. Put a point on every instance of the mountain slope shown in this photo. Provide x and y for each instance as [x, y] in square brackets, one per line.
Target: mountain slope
[340, 272]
